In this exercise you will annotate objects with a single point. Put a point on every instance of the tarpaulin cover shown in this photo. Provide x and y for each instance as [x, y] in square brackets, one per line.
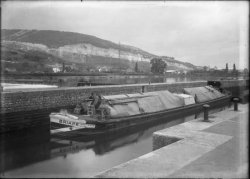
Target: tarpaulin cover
[143, 102]
[151, 104]
[203, 93]
[119, 96]
[187, 99]
[215, 92]
[127, 109]
[136, 95]
[168, 99]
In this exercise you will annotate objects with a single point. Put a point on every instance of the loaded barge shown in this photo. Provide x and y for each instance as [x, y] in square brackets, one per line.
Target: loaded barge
[100, 114]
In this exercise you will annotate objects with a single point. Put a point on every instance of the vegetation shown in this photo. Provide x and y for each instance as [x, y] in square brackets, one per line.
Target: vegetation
[234, 67]
[17, 60]
[30, 61]
[226, 68]
[213, 73]
[158, 66]
[136, 67]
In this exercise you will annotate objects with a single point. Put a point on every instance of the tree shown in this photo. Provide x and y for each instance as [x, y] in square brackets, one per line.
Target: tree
[158, 65]
[136, 67]
[205, 68]
[235, 72]
[226, 67]
[245, 73]
[234, 67]
[68, 69]
[63, 67]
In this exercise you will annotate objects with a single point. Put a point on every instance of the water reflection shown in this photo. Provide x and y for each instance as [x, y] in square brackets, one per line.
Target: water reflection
[38, 154]
[23, 148]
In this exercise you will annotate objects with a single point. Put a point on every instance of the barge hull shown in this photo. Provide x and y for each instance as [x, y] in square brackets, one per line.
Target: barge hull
[113, 125]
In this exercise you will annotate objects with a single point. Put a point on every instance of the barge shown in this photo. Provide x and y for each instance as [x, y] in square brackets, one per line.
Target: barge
[100, 114]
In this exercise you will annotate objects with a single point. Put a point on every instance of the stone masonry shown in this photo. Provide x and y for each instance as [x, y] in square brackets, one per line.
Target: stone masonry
[28, 100]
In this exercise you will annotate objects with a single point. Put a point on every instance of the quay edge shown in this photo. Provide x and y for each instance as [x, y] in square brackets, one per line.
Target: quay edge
[194, 149]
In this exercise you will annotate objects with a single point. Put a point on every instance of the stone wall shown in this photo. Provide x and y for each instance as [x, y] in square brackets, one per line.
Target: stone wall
[234, 83]
[238, 88]
[63, 97]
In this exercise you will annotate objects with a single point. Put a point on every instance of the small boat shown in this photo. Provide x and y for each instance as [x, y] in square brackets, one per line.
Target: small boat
[100, 114]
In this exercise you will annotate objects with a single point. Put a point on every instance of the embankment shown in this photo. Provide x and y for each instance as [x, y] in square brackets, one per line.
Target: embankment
[62, 97]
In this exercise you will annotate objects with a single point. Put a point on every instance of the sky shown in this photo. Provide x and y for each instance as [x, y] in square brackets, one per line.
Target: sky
[204, 33]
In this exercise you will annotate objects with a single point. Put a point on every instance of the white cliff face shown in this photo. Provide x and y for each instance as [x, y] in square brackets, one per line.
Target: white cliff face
[88, 49]
[78, 52]
[27, 46]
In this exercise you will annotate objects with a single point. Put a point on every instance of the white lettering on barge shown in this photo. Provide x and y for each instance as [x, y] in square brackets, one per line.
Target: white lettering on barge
[72, 123]
[78, 124]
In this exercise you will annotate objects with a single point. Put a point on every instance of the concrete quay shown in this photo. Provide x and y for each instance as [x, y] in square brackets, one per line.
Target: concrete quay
[217, 148]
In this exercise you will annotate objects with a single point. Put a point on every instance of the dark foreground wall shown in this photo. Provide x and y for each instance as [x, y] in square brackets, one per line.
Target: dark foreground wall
[62, 97]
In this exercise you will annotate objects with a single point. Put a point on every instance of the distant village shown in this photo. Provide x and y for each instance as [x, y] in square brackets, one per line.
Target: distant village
[198, 71]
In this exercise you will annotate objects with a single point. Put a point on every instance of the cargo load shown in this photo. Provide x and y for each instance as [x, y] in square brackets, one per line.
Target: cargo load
[138, 103]
[124, 109]
[187, 99]
[202, 94]
[151, 104]
[168, 99]
[119, 96]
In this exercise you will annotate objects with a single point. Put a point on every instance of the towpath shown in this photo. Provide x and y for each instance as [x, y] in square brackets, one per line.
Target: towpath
[215, 149]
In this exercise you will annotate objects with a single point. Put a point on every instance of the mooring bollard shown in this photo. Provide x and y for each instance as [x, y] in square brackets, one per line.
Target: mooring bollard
[206, 107]
[236, 101]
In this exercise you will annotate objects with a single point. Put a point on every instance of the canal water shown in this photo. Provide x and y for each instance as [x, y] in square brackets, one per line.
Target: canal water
[72, 81]
[37, 154]
[123, 79]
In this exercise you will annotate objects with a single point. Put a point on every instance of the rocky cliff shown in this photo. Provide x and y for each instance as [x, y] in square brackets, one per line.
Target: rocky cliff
[87, 51]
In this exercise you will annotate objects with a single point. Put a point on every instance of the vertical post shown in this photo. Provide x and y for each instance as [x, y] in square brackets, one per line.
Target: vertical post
[143, 89]
[206, 107]
[235, 101]
[102, 113]
[195, 98]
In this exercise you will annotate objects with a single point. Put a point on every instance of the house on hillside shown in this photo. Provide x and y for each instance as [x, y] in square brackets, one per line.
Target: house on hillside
[55, 68]
[103, 69]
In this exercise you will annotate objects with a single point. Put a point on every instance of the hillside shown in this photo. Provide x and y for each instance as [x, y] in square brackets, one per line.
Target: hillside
[56, 39]
[18, 60]
[79, 51]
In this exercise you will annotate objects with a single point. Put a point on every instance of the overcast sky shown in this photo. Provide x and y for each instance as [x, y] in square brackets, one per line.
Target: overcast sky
[203, 33]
